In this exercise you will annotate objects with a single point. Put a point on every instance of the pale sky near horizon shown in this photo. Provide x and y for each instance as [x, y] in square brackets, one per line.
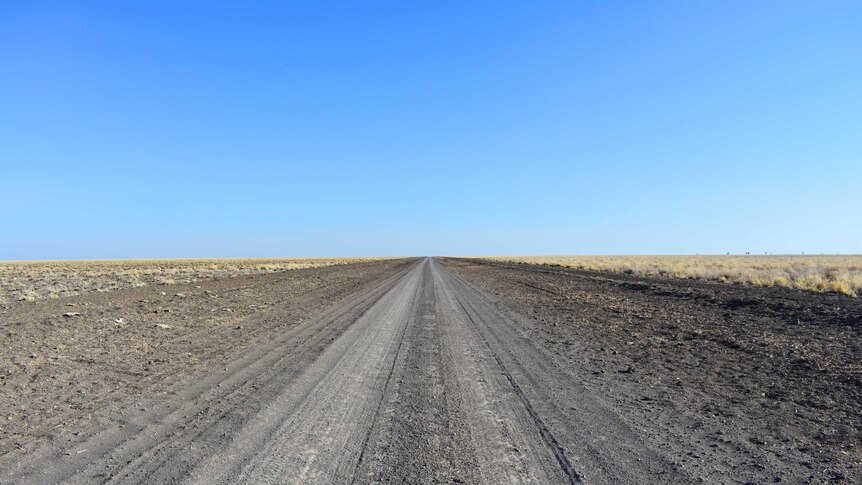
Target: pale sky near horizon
[210, 129]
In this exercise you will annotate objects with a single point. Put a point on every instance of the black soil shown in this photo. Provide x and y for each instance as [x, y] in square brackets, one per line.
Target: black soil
[755, 382]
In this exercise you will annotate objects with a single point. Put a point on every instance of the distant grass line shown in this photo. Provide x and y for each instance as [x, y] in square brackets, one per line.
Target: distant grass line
[33, 280]
[838, 274]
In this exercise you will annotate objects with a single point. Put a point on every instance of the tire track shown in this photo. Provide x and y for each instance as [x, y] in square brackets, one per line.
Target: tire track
[589, 440]
[546, 433]
[276, 376]
[137, 443]
[387, 387]
[314, 429]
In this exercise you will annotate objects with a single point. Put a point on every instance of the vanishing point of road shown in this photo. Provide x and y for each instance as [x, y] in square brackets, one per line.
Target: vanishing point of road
[417, 378]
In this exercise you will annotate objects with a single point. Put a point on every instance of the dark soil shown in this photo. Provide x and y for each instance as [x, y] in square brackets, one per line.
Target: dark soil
[754, 381]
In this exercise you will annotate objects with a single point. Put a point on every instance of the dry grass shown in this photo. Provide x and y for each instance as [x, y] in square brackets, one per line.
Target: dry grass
[839, 274]
[32, 280]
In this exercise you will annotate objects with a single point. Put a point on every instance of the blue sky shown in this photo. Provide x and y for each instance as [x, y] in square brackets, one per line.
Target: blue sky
[183, 129]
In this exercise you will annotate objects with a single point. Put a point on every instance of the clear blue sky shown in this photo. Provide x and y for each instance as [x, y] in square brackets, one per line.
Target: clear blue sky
[184, 129]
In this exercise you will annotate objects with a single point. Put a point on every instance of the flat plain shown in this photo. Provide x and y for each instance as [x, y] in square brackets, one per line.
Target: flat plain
[432, 370]
[825, 273]
[32, 280]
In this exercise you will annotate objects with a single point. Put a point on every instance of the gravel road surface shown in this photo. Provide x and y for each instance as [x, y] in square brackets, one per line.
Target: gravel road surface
[426, 373]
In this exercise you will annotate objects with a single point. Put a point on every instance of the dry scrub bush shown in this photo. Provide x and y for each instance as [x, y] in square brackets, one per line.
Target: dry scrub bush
[838, 274]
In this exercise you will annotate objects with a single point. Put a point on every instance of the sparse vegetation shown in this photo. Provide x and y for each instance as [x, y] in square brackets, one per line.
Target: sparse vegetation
[32, 280]
[838, 274]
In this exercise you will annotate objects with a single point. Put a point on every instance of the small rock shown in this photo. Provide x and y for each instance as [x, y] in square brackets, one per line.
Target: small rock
[627, 370]
[179, 295]
[162, 325]
[239, 327]
[71, 314]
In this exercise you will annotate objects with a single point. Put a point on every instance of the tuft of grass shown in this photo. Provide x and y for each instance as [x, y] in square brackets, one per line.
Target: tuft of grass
[837, 274]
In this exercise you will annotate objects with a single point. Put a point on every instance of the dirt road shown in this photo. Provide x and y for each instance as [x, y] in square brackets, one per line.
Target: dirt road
[431, 372]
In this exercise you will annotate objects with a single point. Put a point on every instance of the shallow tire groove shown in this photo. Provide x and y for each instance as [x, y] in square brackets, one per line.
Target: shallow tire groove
[544, 431]
[386, 387]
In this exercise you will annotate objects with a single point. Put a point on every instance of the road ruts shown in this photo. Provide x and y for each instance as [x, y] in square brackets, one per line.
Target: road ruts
[416, 379]
[161, 439]
[588, 441]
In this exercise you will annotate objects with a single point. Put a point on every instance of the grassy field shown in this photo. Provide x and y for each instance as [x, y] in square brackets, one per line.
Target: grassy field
[32, 280]
[839, 274]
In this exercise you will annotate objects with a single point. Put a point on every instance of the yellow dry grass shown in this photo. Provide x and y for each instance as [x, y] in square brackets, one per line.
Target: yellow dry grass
[32, 280]
[839, 274]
